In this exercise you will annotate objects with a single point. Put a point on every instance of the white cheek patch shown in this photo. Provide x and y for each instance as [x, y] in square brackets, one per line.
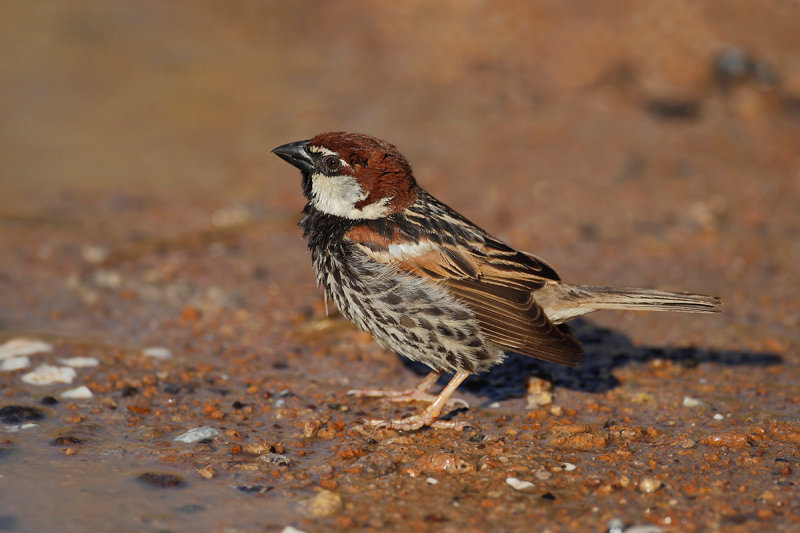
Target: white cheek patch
[338, 195]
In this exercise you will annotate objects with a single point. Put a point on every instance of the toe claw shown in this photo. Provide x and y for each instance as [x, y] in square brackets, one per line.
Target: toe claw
[459, 402]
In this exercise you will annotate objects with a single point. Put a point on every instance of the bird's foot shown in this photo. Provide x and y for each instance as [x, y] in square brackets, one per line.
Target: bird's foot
[428, 417]
[408, 395]
[415, 422]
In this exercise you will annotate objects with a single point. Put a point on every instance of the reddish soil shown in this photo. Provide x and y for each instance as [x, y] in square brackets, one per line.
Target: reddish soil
[647, 144]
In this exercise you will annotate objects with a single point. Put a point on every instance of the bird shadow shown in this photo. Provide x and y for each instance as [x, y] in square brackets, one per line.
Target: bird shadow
[605, 349]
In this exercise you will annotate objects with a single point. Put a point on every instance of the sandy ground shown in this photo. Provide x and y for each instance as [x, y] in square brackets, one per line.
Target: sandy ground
[638, 144]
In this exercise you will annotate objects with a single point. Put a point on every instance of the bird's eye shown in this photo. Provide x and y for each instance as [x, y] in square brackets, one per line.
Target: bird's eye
[331, 163]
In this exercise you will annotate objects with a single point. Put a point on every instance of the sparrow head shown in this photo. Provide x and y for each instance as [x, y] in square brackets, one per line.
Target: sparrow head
[351, 175]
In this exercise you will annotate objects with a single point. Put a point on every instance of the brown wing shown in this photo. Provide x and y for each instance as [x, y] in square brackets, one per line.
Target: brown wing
[495, 281]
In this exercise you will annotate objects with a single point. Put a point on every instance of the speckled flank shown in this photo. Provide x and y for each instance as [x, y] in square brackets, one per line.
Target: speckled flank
[440, 331]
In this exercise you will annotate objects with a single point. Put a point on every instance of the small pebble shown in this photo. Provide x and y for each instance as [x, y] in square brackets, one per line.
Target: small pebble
[191, 508]
[158, 352]
[108, 279]
[615, 525]
[157, 479]
[518, 484]
[206, 472]
[568, 467]
[290, 529]
[275, 459]
[444, 462]
[687, 443]
[48, 374]
[254, 489]
[649, 484]
[66, 440]
[540, 392]
[540, 399]
[325, 504]
[310, 429]
[196, 434]
[15, 363]
[431, 481]
[494, 405]
[688, 401]
[79, 362]
[732, 64]
[21, 346]
[542, 475]
[94, 254]
[81, 392]
[719, 416]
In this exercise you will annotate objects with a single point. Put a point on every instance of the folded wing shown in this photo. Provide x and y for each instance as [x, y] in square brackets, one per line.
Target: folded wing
[495, 281]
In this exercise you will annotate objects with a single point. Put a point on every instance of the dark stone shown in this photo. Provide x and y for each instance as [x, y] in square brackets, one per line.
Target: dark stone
[674, 109]
[161, 480]
[14, 414]
[190, 508]
[549, 496]
[478, 438]
[129, 391]
[48, 400]
[260, 273]
[238, 405]
[254, 489]
[66, 440]
[172, 388]
[732, 64]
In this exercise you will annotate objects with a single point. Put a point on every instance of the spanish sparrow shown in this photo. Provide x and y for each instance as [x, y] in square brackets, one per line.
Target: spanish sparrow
[428, 283]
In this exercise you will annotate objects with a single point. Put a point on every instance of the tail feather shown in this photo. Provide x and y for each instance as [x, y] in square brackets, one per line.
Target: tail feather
[647, 300]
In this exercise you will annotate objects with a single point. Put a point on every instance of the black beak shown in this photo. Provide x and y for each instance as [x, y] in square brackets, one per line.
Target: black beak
[296, 154]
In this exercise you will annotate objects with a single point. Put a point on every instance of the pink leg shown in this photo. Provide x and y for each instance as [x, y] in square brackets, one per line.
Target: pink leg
[417, 394]
[429, 416]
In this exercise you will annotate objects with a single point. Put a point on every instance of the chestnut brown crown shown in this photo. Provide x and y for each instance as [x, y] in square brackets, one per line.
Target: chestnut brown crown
[352, 175]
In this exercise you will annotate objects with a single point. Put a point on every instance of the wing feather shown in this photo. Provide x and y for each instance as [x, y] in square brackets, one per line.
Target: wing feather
[495, 281]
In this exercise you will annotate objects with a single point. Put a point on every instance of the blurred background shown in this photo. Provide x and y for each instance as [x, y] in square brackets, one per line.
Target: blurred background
[654, 143]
